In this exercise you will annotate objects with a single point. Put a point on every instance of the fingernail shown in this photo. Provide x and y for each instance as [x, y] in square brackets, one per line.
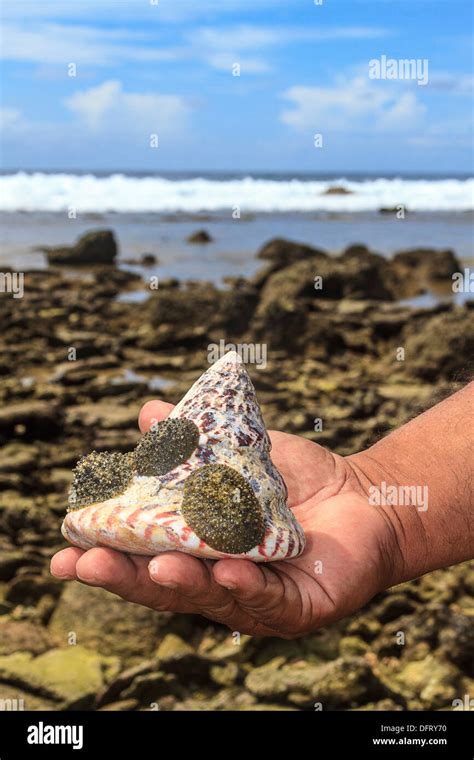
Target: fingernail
[154, 570]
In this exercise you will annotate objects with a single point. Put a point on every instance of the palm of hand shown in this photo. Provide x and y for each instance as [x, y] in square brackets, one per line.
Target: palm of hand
[339, 571]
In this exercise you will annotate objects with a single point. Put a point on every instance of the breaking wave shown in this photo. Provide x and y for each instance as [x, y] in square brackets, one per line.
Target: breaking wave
[123, 193]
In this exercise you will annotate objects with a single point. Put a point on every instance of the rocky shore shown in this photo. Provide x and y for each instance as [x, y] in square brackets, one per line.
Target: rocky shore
[79, 354]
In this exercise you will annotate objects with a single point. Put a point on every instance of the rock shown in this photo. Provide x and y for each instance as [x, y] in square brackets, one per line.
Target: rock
[342, 682]
[352, 646]
[150, 687]
[364, 626]
[201, 236]
[148, 260]
[337, 190]
[353, 275]
[281, 253]
[9, 564]
[30, 420]
[96, 247]
[105, 623]
[429, 682]
[122, 681]
[28, 589]
[224, 674]
[22, 636]
[173, 646]
[426, 263]
[441, 346]
[17, 457]
[282, 323]
[457, 642]
[123, 705]
[392, 210]
[392, 607]
[382, 705]
[14, 699]
[65, 674]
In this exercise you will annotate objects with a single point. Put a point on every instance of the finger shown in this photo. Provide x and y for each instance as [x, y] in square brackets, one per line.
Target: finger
[193, 581]
[127, 576]
[190, 576]
[63, 563]
[272, 596]
[152, 412]
[249, 582]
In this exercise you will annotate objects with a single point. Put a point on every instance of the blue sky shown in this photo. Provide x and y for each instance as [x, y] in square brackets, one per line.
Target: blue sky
[145, 67]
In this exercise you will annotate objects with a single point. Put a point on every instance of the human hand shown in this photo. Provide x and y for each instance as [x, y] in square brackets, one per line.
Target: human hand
[348, 557]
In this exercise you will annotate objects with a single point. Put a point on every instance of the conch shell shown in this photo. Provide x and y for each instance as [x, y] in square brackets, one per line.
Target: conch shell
[201, 482]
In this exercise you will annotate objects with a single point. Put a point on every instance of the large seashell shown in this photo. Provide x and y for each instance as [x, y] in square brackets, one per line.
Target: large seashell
[224, 499]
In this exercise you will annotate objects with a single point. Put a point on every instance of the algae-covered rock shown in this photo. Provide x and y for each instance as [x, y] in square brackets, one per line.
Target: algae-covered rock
[105, 623]
[22, 636]
[149, 687]
[428, 682]
[352, 646]
[342, 682]
[66, 674]
[13, 699]
[173, 646]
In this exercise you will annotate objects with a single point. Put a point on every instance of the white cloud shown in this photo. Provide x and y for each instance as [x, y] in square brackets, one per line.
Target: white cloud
[86, 45]
[453, 84]
[108, 106]
[49, 42]
[222, 46]
[10, 119]
[352, 104]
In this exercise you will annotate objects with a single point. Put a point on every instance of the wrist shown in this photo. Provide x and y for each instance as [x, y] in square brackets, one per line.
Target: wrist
[401, 504]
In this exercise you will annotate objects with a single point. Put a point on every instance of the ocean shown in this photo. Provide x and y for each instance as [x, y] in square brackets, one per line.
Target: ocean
[156, 213]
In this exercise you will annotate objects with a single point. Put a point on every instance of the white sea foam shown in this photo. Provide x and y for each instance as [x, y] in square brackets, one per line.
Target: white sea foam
[123, 193]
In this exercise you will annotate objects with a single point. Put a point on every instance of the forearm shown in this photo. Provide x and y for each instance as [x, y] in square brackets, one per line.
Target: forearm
[434, 455]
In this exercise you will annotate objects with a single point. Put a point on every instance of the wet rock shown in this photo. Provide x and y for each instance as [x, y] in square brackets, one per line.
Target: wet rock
[148, 688]
[13, 698]
[441, 347]
[28, 589]
[173, 646]
[9, 564]
[17, 457]
[96, 247]
[282, 323]
[65, 674]
[457, 641]
[337, 190]
[30, 420]
[392, 210]
[22, 636]
[105, 623]
[281, 253]
[382, 705]
[342, 682]
[353, 646]
[426, 263]
[123, 705]
[201, 236]
[118, 684]
[429, 681]
[392, 607]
